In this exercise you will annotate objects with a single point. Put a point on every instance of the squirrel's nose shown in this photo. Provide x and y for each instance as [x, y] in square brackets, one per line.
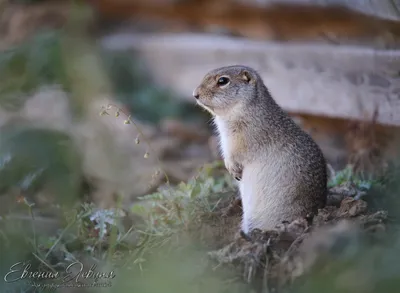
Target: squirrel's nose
[196, 94]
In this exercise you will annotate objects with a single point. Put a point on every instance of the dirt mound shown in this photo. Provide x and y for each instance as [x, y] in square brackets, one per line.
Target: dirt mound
[272, 260]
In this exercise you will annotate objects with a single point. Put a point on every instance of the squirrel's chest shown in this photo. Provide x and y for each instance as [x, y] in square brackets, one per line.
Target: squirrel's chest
[226, 140]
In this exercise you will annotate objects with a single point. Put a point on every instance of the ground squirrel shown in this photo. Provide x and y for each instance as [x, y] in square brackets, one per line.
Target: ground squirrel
[281, 171]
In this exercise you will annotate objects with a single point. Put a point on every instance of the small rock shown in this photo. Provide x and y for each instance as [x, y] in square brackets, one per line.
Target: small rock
[352, 207]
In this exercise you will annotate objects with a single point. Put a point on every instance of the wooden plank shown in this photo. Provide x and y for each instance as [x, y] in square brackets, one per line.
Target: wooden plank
[335, 81]
[371, 23]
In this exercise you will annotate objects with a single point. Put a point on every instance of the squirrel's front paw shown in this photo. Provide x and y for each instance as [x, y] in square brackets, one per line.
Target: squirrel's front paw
[235, 169]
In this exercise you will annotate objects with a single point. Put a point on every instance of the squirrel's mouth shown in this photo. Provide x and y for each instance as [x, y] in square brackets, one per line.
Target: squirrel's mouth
[206, 107]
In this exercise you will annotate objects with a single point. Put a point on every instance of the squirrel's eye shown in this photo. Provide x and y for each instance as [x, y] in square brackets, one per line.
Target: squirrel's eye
[223, 81]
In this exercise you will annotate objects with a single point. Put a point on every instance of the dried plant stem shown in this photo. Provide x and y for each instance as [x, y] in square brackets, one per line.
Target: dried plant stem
[119, 110]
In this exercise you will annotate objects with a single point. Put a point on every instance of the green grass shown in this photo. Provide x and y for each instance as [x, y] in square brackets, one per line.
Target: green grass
[152, 255]
[101, 235]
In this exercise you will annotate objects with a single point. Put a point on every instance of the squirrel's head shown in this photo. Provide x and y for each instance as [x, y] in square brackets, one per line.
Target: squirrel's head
[227, 89]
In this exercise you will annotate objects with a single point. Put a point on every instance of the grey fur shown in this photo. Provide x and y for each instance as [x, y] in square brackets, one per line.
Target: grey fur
[282, 171]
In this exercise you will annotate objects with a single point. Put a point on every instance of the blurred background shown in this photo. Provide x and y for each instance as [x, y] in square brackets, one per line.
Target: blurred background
[96, 96]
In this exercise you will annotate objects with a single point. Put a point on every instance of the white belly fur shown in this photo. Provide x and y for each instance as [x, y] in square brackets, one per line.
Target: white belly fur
[224, 144]
[259, 189]
[263, 196]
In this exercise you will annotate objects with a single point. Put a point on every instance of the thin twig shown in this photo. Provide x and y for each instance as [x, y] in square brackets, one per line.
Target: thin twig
[43, 262]
[59, 238]
[143, 136]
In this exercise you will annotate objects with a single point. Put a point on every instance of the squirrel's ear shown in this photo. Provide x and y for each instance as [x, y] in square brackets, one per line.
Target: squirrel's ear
[248, 77]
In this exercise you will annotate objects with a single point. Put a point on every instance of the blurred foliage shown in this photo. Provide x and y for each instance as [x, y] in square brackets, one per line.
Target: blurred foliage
[357, 268]
[386, 195]
[347, 175]
[23, 69]
[154, 257]
[33, 161]
[183, 271]
[39, 62]
[145, 252]
[14, 247]
[133, 86]
[186, 203]
[33, 158]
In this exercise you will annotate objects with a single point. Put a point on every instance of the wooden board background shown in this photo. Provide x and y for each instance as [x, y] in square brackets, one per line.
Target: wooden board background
[317, 79]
